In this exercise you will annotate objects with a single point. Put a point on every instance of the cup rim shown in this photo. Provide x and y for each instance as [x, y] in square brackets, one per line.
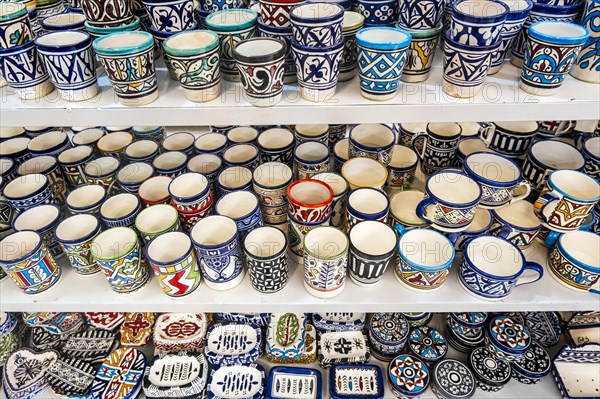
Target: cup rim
[338, 255]
[211, 45]
[251, 17]
[84, 42]
[29, 253]
[338, 15]
[305, 205]
[381, 45]
[273, 56]
[449, 203]
[171, 208]
[443, 266]
[571, 259]
[53, 222]
[476, 176]
[583, 175]
[535, 33]
[146, 44]
[469, 17]
[121, 254]
[488, 275]
[188, 251]
[276, 255]
[85, 238]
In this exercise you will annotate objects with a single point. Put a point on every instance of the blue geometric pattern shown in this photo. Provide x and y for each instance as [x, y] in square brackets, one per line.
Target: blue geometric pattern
[317, 70]
[22, 67]
[378, 12]
[318, 36]
[172, 16]
[420, 14]
[71, 70]
[482, 285]
[380, 70]
[546, 64]
[463, 68]
[475, 35]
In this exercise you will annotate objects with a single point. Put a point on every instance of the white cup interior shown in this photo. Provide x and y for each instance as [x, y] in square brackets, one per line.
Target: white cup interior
[315, 11]
[210, 141]
[88, 136]
[75, 154]
[169, 247]
[310, 192]
[234, 177]
[10, 8]
[40, 164]
[119, 206]
[169, 160]
[364, 172]
[311, 151]
[338, 184]
[19, 244]
[592, 145]
[242, 134]
[114, 243]
[560, 29]
[237, 204]
[23, 186]
[403, 205]
[178, 141]
[557, 155]
[454, 187]
[372, 135]
[141, 148]
[520, 213]
[480, 8]
[414, 128]
[135, 172]
[469, 129]
[403, 157]
[259, 48]
[156, 218]
[272, 174]
[493, 167]
[383, 36]
[188, 185]
[265, 241]
[214, 230]
[516, 5]
[62, 38]
[341, 148]
[122, 40]
[583, 247]
[85, 196]
[191, 40]
[47, 140]
[469, 146]
[518, 127]
[36, 218]
[15, 144]
[313, 130]
[155, 188]
[76, 227]
[68, 18]
[481, 220]
[426, 248]
[368, 200]
[204, 163]
[445, 129]
[275, 138]
[240, 153]
[576, 184]
[326, 242]
[495, 256]
[102, 166]
[362, 234]
[5, 165]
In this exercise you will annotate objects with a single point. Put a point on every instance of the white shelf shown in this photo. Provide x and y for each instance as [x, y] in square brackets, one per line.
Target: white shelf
[78, 294]
[500, 99]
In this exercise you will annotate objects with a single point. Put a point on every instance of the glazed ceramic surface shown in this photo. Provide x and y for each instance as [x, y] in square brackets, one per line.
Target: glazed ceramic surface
[70, 377]
[24, 71]
[477, 24]
[267, 259]
[343, 347]
[338, 321]
[176, 332]
[368, 260]
[427, 344]
[23, 374]
[325, 261]
[506, 338]
[575, 370]
[231, 382]
[137, 328]
[171, 376]
[408, 376]
[122, 373]
[388, 333]
[371, 140]
[351, 381]
[490, 372]
[91, 346]
[451, 378]
[296, 381]
[229, 344]
[532, 366]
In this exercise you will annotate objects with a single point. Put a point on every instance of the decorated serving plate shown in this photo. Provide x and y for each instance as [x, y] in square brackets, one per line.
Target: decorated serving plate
[490, 372]
[120, 375]
[286, 335]
[408, 376]
[388, 333]
[576, 371]
[136, 329]
[232, 343]
[8, 322]
[545, 327]
[109, 321]
[70, 377]
[294, 383]
[24, 371]
[258, 319]
[33, 319]
[452, 379]
[42, 340]
[343, 347]
[427, 344]
[176, 376]
[175, 332]
[353, 381]
[418, 319]
[236, 382]
[533, 366]
[92, 346]
[584, 328]
[339, 321]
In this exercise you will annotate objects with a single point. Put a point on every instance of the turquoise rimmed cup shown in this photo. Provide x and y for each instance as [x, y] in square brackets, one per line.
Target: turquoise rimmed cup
[15, 28]
[420, 53]
[232, 26]
[381, 45]
[186, 51]
[128, 58]
[99, 31]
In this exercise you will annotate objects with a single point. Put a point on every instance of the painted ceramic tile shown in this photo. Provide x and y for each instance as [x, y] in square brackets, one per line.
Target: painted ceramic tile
[232, 343]
[294, 383]
[70, 377]
[356, 381]
[259, 319]
[584, 327]
[576, 371]
[343, 347]
[176, 376]
[120, 375]
[24, 372]
[137, 328]
[175, 332]
[286, 335]
[92, 346]
[109, 321]
[236, 382]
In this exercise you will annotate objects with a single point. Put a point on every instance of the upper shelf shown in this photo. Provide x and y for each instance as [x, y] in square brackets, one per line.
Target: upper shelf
[499, 100]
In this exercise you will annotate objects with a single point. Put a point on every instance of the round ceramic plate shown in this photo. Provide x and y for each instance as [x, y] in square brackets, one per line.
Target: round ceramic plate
[544, 327]
[534, 364]
[488, 368]
[427, 344]
[389, 327]
[452, 379]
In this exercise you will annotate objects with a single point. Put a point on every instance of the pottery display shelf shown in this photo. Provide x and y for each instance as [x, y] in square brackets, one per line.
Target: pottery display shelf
[499, 100]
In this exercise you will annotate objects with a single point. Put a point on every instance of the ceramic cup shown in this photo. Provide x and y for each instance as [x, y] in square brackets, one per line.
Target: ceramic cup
[245, 155]
[377, 45]
[352, 23]
[232, 27]
[546, 156]
[297, 231]
[216, 240]
[317, 24]
[340, 154]
[137, 86]
[403, 209]
[420, 52]
[270, 182]
[375, 141]
[477, 22]
[88, 136]
[42, 219]
[211, 6]
[451, 200]
[277, 12]
[131, 176]
[420, 15]
[16, 148]
[591, 152]
[211, 143]
[26, 259]
[325, 261]
[156, 133]
[180, 141]
[500, 179]
[309, 200]
[339, 185]
[106, 12]
[46, 165]
[368, 259]
[566, 200]
[173, 259]
[437, 145]
[242, 135]
[378, 12]
[234, 178]
[170, 163]
[517, 223]
[64, 21]
[15, 25]
[284, 34]
[114, 144]
[511, 139]
[493, 266]
[310, 158]
[49, 143]
[481, 224]
[72, 162]
[86, 199]
[69, 60]
[120, 210]
[425, 258]
[155, 190]
[364, 172]
[584, 68]
[402, 167]
[313, 132]
[28, 191]
[25, 72]
[574, 261]
[266, 256]
[366, 204]
[550, 52]
[208, 164]
[75, 235]
[186, 51]
[118, 253]
[156, 220]
[276, 145]
[317, 87]
[192, 196]
[171, 15]
[103, 171]
[243, 207]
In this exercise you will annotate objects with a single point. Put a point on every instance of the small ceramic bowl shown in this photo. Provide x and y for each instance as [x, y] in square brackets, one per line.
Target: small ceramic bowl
[408, 377]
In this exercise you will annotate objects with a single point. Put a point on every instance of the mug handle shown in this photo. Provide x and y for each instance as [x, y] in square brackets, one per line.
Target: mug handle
[527, 186]
[595, 289]
[400, 229]
[504, 232]
[551, 238]
[543, 201]
[536, 267]
[422, 209]
[414, 143]
[486, 134]
[453, 237]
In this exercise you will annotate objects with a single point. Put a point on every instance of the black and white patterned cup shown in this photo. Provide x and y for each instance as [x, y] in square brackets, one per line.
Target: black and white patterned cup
[265, 250]
[369, 258]
[511, 139]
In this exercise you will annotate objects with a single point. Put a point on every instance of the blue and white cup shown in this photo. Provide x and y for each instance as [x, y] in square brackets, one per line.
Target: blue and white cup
[317, 87]
[244, 208]
[402, 167]
[69, 59]
[86, 199]
[208, 164]
[64, 21]
[517, 223]
[310, 158]
[47, 165]
[492, 266]
[379, 45]
[28, 191]
[421, 53]
[375, 141]
[42, 219]
[171, 15]
[276, 145]
[368, 259]
[317, 24]
[141, 151]
[500, 179]
[216, 240]
[211, 143]
[285, 35]
[50, 143]
[366, 204]
[481, 224]
[72, 162]
[378, 12]
[25, 72]
[450, 201]
[586, 67]
[420, 14]
[353, 22]
[477, 23]
[550, 52]
[170, 163]
[574, 261]
[120, 210]
[591, 153]
[511, 139]
[436, 145]
[234, 178]
[246, 155]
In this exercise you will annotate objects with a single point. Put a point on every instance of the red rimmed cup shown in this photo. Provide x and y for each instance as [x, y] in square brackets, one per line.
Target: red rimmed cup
[155, 190]
[309, 200]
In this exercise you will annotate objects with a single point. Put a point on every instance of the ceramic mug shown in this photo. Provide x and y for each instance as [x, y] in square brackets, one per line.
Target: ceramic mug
[276, 145]
[352, 23]
[309, 201]
[192, 197]
[48, 166]
[244, 208]
[207, 164]
[86, 199]
[234, 178]
[118, 253]
[173, 259]
[492, 266]
[450, 202]
[437, 145]
[317, 24]
[211, 143]
[88, 136]
[402, 167]
[315, 132]
[106, 12]
[25, 72]
[310, 158]
[517, 223]
[420, 15]
[297, 231]
[375, 141]
[481, 224]
[170, 163]
[574, 261]
[368, 259]
[378, 12]
[103, 171]
[120, 210]
[155, 190]
[114, 144]
[425, 258]
[15, 25]
[584, 69]
[325, 261]
[376, 44]
[72, 162]
[242, 155]
[75, 235]
[156, 220]
[284, 34]
[341, 151]
[339, 185]
[242, 135]
[28, 191]
[64, 21]
[266, 256]
[364, 172]
[216, 240]
[42, 219]
[141, 151]
[421, 52]
[26, 259]
[403, 209]
[366, 204]
[566, 200]
[180, 141]
[591, 153]
[171, 15]
[49, 143]
[499, 177]
[477, 23]
[156, 133]
[131, 177]
[16, 148]
[270, 181]
[511, 139]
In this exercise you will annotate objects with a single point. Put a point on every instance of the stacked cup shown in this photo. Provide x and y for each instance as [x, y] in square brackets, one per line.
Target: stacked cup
[586, 67]
[317, 40]
[470, 43]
